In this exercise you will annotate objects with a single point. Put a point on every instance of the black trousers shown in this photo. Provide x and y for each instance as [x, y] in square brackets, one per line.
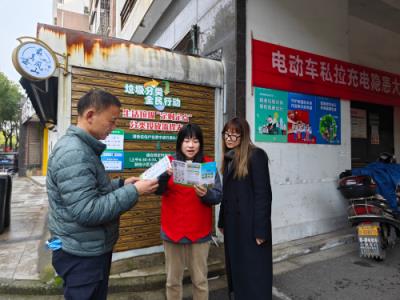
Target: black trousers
[85, 278]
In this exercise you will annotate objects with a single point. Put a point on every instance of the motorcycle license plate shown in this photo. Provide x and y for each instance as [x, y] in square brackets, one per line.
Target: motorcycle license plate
[368, 230]
[369, 240]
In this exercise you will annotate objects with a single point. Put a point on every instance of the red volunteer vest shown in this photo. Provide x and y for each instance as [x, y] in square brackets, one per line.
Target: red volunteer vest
[183, 214]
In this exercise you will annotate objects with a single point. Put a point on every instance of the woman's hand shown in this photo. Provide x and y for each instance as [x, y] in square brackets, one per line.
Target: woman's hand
[170, 172]
[259, 241]
[200, 190]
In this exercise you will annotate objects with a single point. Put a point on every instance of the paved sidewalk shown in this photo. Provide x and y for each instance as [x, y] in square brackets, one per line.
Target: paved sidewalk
[21, 244]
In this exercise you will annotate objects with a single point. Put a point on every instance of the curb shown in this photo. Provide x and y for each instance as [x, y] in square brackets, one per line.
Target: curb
[151, 282]
[116, 285]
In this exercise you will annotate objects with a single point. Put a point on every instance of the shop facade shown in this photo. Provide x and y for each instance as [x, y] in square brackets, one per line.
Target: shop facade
[334, 72]
[160, 92]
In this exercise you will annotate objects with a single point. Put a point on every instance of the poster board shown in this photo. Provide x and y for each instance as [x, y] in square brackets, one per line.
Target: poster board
[148, 133]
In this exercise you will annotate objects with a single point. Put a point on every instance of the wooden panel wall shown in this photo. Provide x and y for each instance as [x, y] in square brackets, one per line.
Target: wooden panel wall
[140, 227]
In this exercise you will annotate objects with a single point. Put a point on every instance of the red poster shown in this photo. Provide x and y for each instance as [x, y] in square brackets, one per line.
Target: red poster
[289, 69]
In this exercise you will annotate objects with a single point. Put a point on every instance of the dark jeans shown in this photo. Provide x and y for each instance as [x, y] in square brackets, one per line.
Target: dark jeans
[85, 278]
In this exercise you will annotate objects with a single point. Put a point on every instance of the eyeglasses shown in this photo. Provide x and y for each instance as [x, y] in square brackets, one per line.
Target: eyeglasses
[233, 137]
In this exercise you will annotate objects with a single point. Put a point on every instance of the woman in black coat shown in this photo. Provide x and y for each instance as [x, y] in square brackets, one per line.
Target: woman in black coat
[245, 214]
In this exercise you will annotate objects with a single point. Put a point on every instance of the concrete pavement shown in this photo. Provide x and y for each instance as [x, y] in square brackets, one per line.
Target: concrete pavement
[25, 268]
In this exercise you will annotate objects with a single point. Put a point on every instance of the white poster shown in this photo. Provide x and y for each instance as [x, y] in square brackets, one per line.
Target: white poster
[358, 123]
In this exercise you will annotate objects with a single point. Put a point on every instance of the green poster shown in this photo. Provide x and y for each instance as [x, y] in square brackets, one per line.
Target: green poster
[270, 115]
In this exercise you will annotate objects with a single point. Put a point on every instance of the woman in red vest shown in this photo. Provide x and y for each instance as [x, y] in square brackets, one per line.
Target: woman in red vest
[186, 219]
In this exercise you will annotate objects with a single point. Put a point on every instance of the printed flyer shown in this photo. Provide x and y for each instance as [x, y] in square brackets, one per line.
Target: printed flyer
[157, 169]
[190, 173]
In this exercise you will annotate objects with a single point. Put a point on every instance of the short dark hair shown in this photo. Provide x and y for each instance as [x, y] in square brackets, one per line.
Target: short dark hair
[98, 99]
[189, 131]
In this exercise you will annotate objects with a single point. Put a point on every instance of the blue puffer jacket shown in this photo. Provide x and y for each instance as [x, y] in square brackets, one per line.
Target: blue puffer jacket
[85, 204]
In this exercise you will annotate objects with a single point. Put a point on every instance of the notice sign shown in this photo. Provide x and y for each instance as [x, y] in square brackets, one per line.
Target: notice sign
[138, 160]
[358, 123]
[113, 161]
[115, 140]
[113, 157]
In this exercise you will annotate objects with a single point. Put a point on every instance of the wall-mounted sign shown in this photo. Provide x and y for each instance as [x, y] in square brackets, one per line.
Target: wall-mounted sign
[358, 123]
[301, 111]
[150, 137]
[152, 115]
[154, 95]
[136, 160]
[115, 140]
[284, 68]
[271, 115]
[34, 60]
[113, 157]
[113, 160]
[296, 118]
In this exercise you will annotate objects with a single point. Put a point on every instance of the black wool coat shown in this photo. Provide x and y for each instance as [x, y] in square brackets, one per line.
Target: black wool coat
[245, 215]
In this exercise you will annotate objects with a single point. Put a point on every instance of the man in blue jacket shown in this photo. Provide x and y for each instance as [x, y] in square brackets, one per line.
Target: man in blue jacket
[85, 205]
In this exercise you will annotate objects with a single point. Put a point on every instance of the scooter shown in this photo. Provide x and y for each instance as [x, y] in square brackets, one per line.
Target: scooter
[378, 227]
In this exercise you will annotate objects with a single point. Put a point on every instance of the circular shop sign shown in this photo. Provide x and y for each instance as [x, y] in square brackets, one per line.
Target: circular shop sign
[34, 61]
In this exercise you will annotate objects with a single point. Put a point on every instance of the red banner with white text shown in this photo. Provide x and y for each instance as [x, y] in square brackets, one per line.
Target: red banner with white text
[289, 69]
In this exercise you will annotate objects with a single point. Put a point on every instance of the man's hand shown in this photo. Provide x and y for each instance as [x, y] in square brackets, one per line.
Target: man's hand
[145, 187]
[200, 190]
[221, 230]
[132, 180]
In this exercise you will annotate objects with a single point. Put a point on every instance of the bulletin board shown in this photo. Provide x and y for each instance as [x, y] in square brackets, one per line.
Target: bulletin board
[152, 112]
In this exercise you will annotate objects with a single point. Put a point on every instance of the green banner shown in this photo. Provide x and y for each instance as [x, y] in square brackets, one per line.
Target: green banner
[136, 160]
[150, 137]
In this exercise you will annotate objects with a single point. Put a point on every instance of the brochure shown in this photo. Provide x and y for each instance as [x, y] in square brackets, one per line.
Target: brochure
[190, 173]
[157, 169]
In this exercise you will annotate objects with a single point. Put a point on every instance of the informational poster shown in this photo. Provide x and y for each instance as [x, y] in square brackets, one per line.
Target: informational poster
[358, 123]
[113, 157]
[328, 120]
[296, 118]
[115, 140]
[113, 160]
[271, 115]
[301, 111]
[374, 123]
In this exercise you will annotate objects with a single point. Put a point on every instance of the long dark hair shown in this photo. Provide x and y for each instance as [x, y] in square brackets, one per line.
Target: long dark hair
[189, 131]
[243, 150]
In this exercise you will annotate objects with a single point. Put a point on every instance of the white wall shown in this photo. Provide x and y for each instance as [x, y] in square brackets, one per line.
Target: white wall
[138, 12]
[304, 177]
[76, 6]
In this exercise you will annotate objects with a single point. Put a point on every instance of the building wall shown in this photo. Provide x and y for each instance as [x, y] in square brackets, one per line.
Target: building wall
[305, 199]
[72, 20]
[217, 25]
